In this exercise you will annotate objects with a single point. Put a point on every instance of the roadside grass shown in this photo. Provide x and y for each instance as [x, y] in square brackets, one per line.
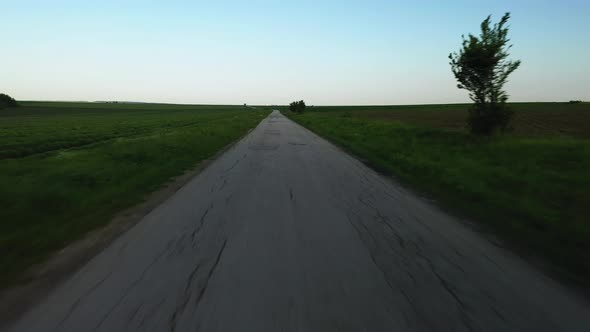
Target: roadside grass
[66, 169]
[533, 191]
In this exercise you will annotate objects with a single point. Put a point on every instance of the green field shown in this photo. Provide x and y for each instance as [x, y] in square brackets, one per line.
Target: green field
[531, 186]
[67, 168]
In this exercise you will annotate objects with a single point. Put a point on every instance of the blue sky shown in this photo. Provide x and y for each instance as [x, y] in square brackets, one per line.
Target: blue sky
[272, 52]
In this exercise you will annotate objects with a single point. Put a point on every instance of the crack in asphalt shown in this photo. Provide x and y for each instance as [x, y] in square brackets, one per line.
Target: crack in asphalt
[134, 314]
[79, 300]
[197, 229]
[151, 312]
[128, 289]
[386, 276]
[215, 264]
[188, 292]
[463, 308]
[235, 164]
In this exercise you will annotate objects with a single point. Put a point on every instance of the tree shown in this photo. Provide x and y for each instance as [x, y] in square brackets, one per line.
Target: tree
[297, 106]
[482, 68]
[7, 101]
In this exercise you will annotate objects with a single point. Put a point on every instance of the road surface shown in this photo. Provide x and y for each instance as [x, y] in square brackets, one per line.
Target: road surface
[285, 232]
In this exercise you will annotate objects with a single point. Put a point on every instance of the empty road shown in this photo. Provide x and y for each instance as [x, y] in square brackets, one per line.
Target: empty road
[285, 232]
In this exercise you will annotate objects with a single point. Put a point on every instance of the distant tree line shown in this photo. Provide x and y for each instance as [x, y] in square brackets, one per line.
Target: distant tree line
[297, 106]
[7, 101]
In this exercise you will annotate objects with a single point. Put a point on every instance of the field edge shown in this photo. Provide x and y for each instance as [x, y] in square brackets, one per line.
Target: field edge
[576, 282]
[40, 279]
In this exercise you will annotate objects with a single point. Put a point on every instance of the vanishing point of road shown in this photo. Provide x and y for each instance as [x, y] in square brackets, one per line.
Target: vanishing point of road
[285, 232]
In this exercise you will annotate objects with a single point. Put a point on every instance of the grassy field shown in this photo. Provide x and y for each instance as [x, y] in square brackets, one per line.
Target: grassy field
[67, 168]
[532, 186]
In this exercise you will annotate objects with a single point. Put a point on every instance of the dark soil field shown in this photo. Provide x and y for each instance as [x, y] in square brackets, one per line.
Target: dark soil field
[530, 119]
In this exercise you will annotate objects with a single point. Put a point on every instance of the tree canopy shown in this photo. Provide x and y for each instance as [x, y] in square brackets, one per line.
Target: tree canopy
[482, 67]
[297, 106]
[7, 101]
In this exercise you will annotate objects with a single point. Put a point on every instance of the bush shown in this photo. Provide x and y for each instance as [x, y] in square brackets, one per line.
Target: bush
[485, 118]
[297, 106]
[7, 101]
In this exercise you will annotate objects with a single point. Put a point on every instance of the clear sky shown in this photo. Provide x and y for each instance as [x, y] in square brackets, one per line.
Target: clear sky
[273, 52]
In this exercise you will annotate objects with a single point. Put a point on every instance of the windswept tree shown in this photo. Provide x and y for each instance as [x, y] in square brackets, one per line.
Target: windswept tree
[7, 101]
[482, 67]
[297, 106]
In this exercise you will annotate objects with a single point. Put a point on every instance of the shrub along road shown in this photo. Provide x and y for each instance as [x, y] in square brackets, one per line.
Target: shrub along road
[287, 232]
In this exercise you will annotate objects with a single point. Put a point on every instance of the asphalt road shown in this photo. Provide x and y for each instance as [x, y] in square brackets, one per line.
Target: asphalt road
[285, 232]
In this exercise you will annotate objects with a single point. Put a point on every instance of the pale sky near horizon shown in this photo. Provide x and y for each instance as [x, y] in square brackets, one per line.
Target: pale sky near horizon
[273, 52]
